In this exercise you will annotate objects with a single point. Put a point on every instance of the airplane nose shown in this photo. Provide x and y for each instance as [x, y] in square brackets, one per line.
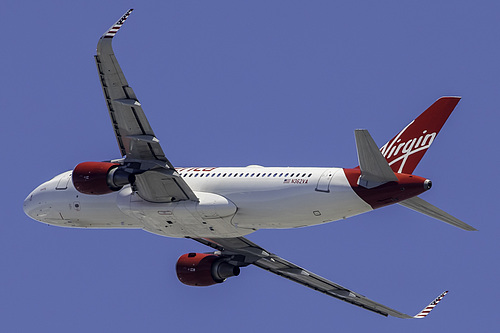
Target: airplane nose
[37, 205]
[29, 206]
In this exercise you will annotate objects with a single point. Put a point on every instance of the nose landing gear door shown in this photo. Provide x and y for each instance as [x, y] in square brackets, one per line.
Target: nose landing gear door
[325, 179]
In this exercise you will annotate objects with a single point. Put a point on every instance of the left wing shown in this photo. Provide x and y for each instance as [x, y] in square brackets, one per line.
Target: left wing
[155, 177]
[243, 252]
[135, 136]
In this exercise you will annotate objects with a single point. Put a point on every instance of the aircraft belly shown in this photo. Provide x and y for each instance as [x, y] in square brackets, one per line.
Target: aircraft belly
[292, 207]
[210, 217]
[97, 212]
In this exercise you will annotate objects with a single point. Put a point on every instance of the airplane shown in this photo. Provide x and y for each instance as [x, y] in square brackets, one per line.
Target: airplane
[218, 206]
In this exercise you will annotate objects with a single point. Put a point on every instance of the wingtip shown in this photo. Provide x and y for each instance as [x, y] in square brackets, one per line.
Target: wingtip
[430, 307]
[111, 32]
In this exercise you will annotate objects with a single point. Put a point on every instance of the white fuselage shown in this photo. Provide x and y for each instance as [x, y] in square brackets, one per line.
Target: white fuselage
[232, 202]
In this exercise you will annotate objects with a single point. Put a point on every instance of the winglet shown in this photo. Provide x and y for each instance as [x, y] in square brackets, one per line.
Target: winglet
[428, 308]
[115, 27]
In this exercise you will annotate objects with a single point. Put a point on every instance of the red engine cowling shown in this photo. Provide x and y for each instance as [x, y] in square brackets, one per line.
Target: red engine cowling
[97, 178]
[202, 269]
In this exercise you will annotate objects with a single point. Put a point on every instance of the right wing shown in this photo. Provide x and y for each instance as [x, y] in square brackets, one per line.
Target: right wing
[242, 252]
[155, 177]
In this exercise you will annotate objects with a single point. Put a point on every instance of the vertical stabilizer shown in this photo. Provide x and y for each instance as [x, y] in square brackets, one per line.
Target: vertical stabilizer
[406, 149]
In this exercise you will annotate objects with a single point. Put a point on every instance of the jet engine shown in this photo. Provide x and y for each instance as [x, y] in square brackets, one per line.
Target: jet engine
[202, 269]
[99, 177]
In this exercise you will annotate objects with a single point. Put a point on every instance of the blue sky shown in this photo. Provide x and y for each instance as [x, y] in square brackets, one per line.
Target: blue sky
[232, 83]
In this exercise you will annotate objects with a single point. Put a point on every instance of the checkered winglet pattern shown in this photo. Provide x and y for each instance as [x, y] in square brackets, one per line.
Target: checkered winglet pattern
[114, 29]
[431, 306]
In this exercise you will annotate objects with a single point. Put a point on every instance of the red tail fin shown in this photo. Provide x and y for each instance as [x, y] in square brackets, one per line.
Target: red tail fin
[406, 149]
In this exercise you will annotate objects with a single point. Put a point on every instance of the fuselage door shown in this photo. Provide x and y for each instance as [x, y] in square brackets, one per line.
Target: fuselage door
[325, 179]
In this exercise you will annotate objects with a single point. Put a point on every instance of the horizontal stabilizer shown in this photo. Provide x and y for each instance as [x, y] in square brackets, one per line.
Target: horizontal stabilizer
[422, 206]
[374, 168]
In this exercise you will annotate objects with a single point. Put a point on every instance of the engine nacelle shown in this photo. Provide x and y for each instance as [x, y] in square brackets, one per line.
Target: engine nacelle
[99, 178]
[202, 269]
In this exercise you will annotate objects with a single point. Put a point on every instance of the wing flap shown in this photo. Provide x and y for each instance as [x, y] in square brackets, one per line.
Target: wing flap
[300, 275]
[162, 185]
